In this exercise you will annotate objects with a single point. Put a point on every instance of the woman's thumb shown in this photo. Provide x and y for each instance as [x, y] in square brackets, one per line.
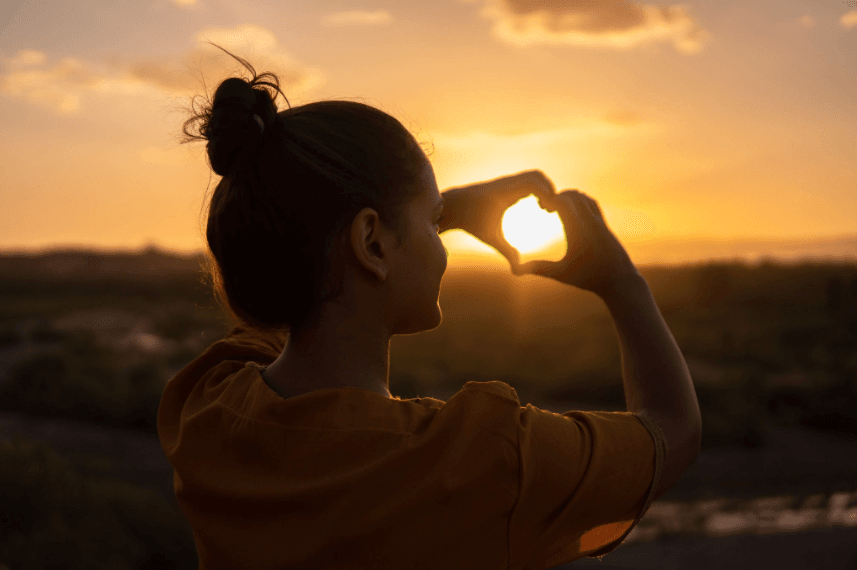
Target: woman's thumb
[537, 267]
[509, 252]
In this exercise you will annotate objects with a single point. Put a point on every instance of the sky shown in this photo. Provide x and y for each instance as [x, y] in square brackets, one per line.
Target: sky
[719, 120]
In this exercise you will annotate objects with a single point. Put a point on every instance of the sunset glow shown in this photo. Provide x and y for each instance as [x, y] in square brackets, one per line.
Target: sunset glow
[529, 228]
[725, 121]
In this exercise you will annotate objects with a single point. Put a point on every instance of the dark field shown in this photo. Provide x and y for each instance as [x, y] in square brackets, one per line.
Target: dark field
[87, 342]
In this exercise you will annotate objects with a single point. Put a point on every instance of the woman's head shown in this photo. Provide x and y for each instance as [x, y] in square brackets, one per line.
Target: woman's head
[289, 190]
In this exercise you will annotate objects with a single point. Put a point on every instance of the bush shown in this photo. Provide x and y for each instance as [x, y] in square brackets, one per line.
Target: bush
[44, 332]
[52, 384]
[9, 336]
[733, 413]
[177, 326]
[82, 382]
[53, 517]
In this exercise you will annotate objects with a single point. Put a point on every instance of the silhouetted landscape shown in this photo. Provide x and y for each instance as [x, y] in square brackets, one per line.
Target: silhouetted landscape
[88, 341]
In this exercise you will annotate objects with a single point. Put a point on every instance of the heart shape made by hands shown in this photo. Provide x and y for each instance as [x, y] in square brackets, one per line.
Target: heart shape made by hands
[534, 232]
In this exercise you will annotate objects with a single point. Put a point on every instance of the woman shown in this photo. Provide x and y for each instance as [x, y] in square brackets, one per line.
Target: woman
[289, 449]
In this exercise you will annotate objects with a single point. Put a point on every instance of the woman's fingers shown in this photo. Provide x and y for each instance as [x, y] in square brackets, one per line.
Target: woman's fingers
[564, 203]
[509, 252]
[536, 267]
[542, 185]
[545, 205]
[593, 206]
[498, 242]
[568, 203]
[523, 184]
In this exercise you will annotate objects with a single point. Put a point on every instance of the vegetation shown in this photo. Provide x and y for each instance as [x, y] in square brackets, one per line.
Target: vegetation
[53, 517]
[554, 344]
[82, 381]
[769, 341]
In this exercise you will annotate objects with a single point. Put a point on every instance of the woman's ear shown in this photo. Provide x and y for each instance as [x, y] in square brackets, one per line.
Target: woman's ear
[369, 243]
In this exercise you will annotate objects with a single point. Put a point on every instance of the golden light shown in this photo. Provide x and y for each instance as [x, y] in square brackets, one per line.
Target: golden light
[529, 228]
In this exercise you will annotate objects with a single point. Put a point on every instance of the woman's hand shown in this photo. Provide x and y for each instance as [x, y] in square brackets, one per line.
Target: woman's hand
[478, 208]
[595, 260]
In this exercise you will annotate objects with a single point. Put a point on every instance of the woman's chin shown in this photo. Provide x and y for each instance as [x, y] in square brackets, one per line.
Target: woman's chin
[437, 318]
[429, 322]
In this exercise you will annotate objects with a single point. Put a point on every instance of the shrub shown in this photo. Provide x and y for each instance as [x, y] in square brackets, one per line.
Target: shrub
[9, 336]
[53, 517]
[80, 382]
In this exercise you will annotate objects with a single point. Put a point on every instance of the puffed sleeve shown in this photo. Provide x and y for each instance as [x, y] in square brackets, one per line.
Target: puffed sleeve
[584, 480]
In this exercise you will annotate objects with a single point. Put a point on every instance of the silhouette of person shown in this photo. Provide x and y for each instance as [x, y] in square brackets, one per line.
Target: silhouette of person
[288, 449]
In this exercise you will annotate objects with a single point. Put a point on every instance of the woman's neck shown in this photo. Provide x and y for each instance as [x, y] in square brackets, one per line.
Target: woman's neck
[335, 350]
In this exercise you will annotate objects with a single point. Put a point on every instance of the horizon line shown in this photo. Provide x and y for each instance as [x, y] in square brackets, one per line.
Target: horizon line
[632, 243]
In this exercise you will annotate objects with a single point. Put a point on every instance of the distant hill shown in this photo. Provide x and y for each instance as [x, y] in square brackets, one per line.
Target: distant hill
[154, 263]
[150, 264]
[680, 251]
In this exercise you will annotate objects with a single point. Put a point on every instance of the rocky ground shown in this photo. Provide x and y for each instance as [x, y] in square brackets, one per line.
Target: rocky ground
[829, 549]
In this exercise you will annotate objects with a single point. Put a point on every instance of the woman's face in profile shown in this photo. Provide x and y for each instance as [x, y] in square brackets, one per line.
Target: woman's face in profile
[423, 260]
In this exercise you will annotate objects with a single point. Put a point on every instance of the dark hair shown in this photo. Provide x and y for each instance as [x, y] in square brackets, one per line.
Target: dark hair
[289, 190]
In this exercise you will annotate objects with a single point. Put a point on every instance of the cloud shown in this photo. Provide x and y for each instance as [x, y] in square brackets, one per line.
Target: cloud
[26, 58]
[807, 21]
[254, 43]
[358, 17]
[164, 5]
[593, 23]
[58, 85]
[62, 86]
[849, 19]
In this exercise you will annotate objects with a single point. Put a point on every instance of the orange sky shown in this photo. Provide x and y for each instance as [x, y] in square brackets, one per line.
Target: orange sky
[722, 119]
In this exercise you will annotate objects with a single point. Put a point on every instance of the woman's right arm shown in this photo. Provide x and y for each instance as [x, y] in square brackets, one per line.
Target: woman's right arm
[655, 376]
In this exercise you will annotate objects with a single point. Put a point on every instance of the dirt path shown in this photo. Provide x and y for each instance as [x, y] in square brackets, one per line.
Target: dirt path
[796, 461]
[833, 549]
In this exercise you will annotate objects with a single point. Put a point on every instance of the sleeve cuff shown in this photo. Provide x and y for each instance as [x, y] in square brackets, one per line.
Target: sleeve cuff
[660, 454]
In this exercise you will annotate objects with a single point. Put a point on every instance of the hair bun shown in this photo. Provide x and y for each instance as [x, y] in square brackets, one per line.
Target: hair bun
[231, 125]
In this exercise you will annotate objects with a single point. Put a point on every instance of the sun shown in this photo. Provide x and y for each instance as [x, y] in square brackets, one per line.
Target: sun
[529, 228]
